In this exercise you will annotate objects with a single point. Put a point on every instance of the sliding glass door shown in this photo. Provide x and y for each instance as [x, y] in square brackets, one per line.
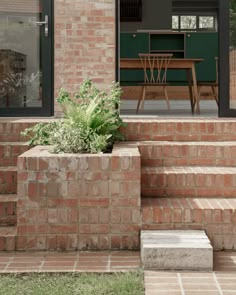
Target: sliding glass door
[26, 58]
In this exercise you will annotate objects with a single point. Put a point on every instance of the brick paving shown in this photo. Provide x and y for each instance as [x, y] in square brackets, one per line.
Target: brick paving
[104, 261]
[221, 281]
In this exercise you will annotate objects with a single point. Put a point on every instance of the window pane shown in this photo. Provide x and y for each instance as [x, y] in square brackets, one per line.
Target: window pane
[175, 22]
[20, 63]
[188, 22]
[206, 22]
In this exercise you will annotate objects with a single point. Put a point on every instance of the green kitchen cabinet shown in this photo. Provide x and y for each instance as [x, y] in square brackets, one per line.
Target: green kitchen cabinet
[205, 46]
[131, 44]
[183, 45]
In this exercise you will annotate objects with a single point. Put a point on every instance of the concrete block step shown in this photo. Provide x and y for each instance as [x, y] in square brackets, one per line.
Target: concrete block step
[170, 153]
[8, 238]
[9, 151]
[8, 180]
[176, 249]
[8, 210]
[189, 181]
[217, 216]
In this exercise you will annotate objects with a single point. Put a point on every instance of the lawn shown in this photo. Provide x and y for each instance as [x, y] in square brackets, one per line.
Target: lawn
[129, 283]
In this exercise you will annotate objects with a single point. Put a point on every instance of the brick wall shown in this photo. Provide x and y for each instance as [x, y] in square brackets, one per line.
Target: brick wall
[84, 43]
[79, 201]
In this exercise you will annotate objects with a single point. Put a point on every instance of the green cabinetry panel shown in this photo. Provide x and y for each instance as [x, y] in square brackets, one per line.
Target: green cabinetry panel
[167, 42]
[203, 45]
[131, 44]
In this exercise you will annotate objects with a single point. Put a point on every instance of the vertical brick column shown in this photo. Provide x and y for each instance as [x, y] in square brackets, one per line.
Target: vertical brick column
[79, 201]
[84, 43]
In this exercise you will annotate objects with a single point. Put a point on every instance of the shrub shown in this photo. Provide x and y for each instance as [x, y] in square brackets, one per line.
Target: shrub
[90, 124]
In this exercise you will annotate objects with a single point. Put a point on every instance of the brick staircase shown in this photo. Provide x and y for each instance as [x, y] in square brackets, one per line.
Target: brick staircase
[190, 184]
[188, 176]
[11, 146]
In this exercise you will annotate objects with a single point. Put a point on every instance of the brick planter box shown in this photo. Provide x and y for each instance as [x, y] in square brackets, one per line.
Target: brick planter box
[79, 201]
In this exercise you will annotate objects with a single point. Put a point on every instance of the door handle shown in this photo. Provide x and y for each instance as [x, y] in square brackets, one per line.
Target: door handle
[45, 23]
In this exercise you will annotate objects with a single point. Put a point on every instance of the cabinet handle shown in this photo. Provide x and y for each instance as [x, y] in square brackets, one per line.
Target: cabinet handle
[189, 35]
[134, 35]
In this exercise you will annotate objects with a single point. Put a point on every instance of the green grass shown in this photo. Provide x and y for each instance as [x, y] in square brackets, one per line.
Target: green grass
[130, 283]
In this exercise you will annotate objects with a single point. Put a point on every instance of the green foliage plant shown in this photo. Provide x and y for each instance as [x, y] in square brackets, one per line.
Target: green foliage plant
[90, 124]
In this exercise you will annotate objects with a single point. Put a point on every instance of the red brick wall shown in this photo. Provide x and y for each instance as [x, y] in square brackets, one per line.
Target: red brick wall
[84, 43]
[79, 201]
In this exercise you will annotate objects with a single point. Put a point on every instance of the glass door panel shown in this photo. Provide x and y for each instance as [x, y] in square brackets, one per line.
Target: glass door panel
[24, 35]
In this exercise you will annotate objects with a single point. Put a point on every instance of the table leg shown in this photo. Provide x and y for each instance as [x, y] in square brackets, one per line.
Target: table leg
[190, 90]
[195, 89]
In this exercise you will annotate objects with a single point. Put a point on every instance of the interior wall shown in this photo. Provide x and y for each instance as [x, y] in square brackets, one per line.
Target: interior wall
[156, 16]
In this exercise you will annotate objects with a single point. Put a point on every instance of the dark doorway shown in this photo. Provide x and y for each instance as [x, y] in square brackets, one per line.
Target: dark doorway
[189, 30]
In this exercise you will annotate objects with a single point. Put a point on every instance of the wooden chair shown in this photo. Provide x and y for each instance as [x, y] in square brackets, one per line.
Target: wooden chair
[155, 68]
[212, 87]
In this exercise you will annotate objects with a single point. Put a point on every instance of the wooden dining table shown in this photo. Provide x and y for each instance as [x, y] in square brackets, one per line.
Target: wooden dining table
[187, 64]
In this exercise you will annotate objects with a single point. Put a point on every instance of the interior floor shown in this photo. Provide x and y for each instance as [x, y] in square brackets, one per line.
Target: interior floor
[178, 108]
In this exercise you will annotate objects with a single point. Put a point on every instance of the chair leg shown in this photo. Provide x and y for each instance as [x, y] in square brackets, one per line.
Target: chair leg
[137, 109]
[190, 88]
[167, 98]
[214, 90]
[143, 98]
[199, 91]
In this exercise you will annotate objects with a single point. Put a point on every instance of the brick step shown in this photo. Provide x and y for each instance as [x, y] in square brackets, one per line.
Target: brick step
[140, 129]
[188, 181]
[217, 216]
[11, 128]
[169, 153]
[8, 238]
[8, 209]
[9, 151]
[8, 180]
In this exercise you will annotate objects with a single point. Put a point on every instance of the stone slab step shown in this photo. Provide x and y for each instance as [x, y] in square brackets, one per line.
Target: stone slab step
[9, 151]
[176, 249]
[217, 216]
[179, 129]
[8, 238]
[8, 180]
[169, 153]
[189, 181]
[8, 210]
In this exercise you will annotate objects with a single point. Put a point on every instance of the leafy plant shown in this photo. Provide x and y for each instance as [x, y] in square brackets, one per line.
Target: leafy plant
[41, 133]
[90, 125]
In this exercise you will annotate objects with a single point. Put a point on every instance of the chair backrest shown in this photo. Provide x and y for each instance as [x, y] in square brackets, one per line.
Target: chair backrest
[155, 67]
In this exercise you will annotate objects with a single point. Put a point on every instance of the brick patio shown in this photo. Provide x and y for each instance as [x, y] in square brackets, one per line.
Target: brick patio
[103, 261]
[221, 281]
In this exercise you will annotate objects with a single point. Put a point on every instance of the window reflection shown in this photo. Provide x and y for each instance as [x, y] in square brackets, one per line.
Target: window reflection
[20, 69]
